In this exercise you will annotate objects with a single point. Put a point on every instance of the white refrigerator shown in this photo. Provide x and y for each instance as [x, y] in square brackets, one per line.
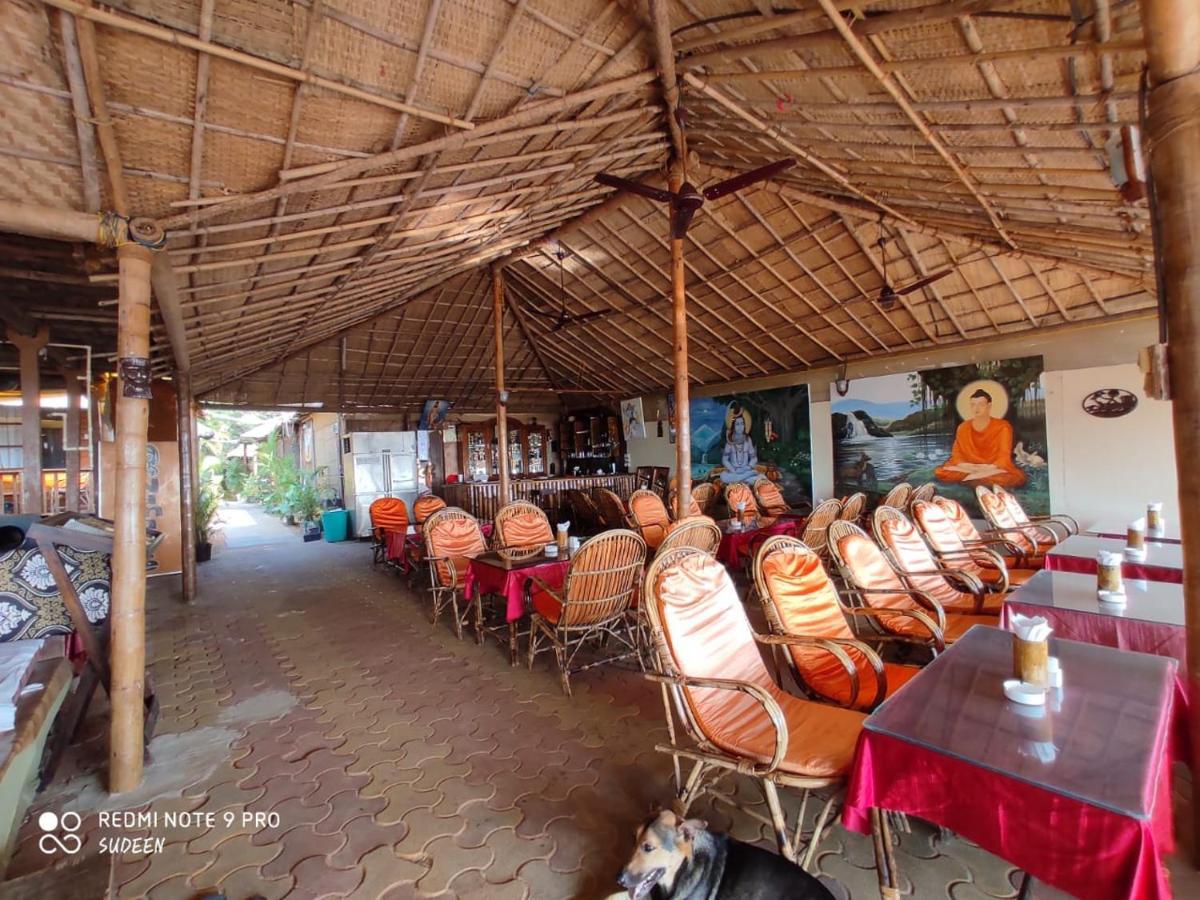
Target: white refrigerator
[378, 464]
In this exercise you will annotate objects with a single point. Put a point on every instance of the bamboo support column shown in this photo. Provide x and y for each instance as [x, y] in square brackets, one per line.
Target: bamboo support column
[129, 540]
[501, 393]
[72, 435]
[683, 435]
[187, 483]
[30, 348]
[1172, 29]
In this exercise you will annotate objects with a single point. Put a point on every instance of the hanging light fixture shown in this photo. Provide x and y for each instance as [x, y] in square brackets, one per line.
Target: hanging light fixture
[842, 384]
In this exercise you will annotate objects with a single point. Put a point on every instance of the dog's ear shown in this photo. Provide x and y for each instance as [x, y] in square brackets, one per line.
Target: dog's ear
[689, 828]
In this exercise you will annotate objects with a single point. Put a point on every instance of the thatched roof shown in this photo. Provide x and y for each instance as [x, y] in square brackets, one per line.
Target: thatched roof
[336, 177]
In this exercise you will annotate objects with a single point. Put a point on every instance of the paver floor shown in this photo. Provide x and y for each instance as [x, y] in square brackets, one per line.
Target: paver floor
[319, 737]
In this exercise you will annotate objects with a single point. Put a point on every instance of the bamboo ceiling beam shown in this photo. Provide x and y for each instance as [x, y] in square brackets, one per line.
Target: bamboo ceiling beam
[84, 132]
[86, 38]
[881, 270]
[957, 262]
[350, 168]
[981, 104]
[868, 60]
[1084, 49]
[166, 35]
[918, 265]
[660, 20]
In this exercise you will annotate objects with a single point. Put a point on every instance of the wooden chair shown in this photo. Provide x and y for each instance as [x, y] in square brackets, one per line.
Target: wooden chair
[522, 525]
[956, 590]
[926, 491]
[593, 603]
[700, 532]
[770, 500]
[799, 600]
[978, 560]
[1062, 524]
[909, 615]
[853, 507]
[817, 526]
[611, 508]
[1032, 538]
[452, 538]
[738, 494]
[898, 496]
[649, 517]
[389, 516]
[971, 536]
[725, 712]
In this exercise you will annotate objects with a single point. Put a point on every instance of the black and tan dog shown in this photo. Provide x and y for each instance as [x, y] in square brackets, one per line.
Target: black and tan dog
[678, 859]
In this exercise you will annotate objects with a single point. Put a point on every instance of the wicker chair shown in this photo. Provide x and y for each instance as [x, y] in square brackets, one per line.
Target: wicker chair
[593, 604]
[770, 500]
[956, 590]
[926, 491]
[725, 712]
[1060, 523]
[909, 615]
[853, 507]
[585, 518]
[739, 493]
[1032, 538]
[984, 563]
[799, 600]
[694, 507]
[898, 496]
[700, 532]
[649, 517]
[389, 516]
[706, 494]
[818, 523]
[971, 536]
[423, 507]
[452, 538]
[611, 508]
[520, 525]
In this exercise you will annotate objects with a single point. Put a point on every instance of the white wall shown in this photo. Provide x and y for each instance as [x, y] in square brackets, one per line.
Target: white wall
[1108, 468]
[652, 450]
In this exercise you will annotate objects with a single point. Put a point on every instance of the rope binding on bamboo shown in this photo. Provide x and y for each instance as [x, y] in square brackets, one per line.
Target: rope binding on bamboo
[114, 229]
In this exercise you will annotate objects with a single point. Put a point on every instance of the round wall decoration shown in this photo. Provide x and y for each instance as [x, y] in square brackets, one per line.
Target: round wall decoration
[1110, 403]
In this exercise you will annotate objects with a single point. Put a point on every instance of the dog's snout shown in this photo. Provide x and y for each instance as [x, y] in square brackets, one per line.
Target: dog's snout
[627, 879]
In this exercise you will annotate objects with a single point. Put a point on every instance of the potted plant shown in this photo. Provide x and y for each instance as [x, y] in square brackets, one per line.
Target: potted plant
[304, 502]
[204, 514]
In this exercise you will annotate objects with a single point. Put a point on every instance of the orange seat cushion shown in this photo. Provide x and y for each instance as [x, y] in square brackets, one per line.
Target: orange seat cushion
[527, 529]
[545, 604]
[709, 636]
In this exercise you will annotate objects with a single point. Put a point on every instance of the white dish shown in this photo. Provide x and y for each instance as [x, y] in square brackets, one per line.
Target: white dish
[1116, 598]
[1026, 694]
[550, 550]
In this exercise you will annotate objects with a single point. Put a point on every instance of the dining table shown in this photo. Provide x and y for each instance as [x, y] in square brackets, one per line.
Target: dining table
[1076, 792]
[1151, 620]
[739, 539]
[505, 572]
[1111, 528]
[1161, 562]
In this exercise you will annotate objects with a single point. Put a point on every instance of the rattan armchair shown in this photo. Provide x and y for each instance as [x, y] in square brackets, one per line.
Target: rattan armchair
[1014, 557]
[649, 517]
[926, 491]
[389, 516]
[585, 518]
[817, 525]
[520, 526]
[853, 507]
[957, 590]
[592, 605]
[982, 562]
[1032, 538]
[612, 510]
[898, 496]
[694, 507]
[452, 538]
[700, 532]
[771, 500]
[799, 600]
[740, 494]
[725, 712]
[1061, 524]
[706, 494]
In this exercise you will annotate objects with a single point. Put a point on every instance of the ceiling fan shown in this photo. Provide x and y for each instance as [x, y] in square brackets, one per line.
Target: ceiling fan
[889, 296]
[687, 200]
[562, 318]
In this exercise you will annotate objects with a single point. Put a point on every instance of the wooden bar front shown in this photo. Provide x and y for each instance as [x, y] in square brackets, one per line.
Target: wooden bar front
[482, 499]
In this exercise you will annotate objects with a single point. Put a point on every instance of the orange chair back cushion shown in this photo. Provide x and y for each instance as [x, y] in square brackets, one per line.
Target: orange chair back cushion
[870, 569]
[737, 494]
[388, 514]
[425, 506]
[527, 529]
[1014, 507]
[958, 519]
[938, 529]
[458, 539]
[772, 500]
[651, 516]
[912, 555]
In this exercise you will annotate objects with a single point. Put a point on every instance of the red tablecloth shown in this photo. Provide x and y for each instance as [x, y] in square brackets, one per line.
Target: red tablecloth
[1077, 847]
[1082, 565]
[510, 583]
[1156, 638]
[736, 545]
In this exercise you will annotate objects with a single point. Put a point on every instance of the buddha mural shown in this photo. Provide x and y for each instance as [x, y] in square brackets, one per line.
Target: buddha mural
[739, 457]
[983, 444]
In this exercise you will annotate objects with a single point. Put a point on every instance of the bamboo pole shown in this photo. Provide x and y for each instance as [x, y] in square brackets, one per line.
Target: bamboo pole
[29, 347]
[683, 433]
[49, 222]
[1172, 29]
[501, 394]
[128, 620]
[72, 434]
[187, 497]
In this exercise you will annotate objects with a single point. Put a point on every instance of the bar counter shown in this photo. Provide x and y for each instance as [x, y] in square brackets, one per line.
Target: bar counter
[482, 499]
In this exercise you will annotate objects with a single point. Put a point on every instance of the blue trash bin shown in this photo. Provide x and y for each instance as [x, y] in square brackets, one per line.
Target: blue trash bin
[336, 523]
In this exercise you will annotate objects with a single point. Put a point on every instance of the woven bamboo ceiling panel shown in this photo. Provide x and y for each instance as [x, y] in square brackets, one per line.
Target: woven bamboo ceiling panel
[335, 178]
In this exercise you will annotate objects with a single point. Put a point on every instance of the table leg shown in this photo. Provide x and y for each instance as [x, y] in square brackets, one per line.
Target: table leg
[512, 643]
[885, 860]
[1026, 889]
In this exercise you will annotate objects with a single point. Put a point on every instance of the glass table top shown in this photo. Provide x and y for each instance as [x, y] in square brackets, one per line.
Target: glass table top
[1099, 739]
[1146, 601]
[1086, 546]
[1111, 528]
[727, 526]
[520, 559]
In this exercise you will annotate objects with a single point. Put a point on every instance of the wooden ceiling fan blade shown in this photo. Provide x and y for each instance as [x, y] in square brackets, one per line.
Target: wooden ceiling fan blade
[924, 282]
[587, 317]
[737, 182]
[681, 219]
[634, 187]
